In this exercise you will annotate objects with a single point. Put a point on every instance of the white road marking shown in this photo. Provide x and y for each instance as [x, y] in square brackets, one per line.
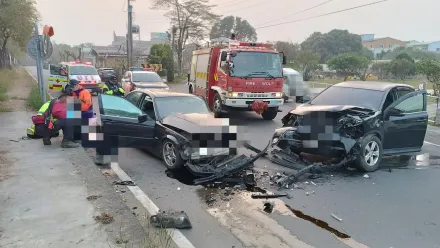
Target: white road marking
[179, 239]
[429, 143]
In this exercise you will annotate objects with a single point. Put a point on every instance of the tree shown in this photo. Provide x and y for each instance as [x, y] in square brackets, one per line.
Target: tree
[405, 56]
[288, 48]
[431, 69]
[402, 68]
[307, 63]
[241, 28]
[332, 43]
[381, 69]
[350, 64]
[192, 19]
[413, 53]
[161, 54]
[17, 20]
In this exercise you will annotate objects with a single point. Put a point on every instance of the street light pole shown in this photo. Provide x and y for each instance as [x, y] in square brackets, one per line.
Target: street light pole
[130, 34]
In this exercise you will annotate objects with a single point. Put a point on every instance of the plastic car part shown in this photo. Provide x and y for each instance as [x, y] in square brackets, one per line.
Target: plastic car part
[179, 220]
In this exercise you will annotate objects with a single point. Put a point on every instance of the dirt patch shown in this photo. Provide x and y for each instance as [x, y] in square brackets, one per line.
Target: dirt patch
[18, 87]
[104, 218]
[5, 163]
[93, 197]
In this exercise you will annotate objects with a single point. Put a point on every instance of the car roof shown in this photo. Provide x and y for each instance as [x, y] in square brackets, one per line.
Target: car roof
[163, 93]
[146, 72]
[371, 85]
[290, 71]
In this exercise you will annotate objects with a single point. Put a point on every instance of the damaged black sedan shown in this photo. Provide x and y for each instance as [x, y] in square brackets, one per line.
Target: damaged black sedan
[357, 122]
[177, 127]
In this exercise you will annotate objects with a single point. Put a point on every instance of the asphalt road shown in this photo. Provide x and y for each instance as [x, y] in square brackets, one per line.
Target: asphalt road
[391, 208]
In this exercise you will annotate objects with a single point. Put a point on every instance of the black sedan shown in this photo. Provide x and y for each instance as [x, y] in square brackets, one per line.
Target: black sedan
[358, 121]
[177, 127]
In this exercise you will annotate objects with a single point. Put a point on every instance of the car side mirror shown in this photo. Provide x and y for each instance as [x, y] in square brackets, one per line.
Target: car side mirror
[142, 118]
[284, 58]
[394, 112]
[224, 55]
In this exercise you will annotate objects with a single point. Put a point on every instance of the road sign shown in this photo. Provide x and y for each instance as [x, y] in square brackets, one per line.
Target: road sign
[32, 47]
[156, 67]
[47, 47]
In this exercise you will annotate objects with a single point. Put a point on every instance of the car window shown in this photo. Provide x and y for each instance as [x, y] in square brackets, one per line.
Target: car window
[83, 70]
[335, 95]
[180, 104]
[411, 105]
[402, 92]
[146, 77]
[116, 106]
[134, 97]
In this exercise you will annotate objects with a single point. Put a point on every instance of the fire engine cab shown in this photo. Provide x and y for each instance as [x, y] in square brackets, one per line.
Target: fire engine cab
[239, 76]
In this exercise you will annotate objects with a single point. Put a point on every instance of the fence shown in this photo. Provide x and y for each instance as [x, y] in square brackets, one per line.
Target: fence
[432, 101]
[10, 61]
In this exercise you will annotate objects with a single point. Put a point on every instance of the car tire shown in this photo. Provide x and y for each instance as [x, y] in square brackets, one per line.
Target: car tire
[270, 114]
[217, 106]
[370, 154]
[171, 156]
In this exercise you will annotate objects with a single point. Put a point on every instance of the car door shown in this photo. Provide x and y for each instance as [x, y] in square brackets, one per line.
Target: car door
[405, 123]
[119, 118]
[150, 125]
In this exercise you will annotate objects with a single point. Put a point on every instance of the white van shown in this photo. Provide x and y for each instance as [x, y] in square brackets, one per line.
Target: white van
[294, 87]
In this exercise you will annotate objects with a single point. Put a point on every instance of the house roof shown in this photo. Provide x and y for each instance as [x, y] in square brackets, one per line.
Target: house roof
[383, 38]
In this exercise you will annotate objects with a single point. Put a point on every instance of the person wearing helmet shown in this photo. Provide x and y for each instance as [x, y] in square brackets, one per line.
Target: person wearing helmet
[112, 87]
[84, 97]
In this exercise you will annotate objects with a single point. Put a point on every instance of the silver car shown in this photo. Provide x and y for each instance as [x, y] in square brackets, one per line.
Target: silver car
[294, 87]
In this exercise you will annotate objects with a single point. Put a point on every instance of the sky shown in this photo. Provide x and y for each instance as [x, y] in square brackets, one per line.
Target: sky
[81, 21]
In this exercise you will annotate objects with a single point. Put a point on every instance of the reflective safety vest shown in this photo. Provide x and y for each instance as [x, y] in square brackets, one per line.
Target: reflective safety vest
[86, 100]
[111, 89]
[44, 108]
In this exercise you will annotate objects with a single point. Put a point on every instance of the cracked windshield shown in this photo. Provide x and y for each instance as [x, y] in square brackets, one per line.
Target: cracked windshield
[219, 123]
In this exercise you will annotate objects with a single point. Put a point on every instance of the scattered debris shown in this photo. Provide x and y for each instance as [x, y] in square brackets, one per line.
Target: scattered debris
[104, 218]
[336, 217]
[134, 208]
[179, 220]
[366, 176]
[310, 193]
[313, 183]
[266, 196]
[93, 197]
[127, 183]
[120, 241]
[178, 188]
[268, 207]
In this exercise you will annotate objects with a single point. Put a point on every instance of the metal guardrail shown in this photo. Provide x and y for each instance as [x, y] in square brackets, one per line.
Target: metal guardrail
[317, 87]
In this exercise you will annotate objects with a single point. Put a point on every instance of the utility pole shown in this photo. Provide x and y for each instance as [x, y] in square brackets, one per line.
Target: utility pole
[130, 34]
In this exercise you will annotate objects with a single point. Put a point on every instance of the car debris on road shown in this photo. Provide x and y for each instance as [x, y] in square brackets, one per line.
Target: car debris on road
[179, 220]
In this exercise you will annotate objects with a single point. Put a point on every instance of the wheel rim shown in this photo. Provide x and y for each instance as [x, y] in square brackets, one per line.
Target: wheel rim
[371, 153]
[217, 105]
[169, 154]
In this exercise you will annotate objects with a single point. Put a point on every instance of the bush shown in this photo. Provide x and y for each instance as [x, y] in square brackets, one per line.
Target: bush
[163, 73]
[34, 101]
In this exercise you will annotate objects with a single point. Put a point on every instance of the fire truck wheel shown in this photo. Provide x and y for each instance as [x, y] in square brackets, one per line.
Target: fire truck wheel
[217, 106]
[269, 114]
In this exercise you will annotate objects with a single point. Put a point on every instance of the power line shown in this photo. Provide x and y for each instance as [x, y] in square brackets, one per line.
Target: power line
[326, 14]
[246, 7]
[299, 12]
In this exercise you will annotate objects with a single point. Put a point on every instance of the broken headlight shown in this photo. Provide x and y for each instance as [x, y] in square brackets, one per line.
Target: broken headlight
[187, 150]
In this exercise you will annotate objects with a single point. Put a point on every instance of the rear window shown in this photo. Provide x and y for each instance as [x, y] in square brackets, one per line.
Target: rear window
[83, 70]
[146, 77]
[334, 95]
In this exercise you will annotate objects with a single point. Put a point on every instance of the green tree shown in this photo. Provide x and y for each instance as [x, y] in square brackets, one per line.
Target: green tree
[17, 20]
[413, 53]
[288, 48]
[241, 28]
[192, 19]
[381, 69]
[350, 64]
[405, 56]
[403, 68]
[431, 69]
[332, 43]
[307, 63]
[161, 54]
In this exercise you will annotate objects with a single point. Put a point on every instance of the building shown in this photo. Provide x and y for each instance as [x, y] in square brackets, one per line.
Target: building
[426, 46]
[367, 37]
[380, 45]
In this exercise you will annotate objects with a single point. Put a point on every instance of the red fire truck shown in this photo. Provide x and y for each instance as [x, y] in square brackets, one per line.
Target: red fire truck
[239, 76]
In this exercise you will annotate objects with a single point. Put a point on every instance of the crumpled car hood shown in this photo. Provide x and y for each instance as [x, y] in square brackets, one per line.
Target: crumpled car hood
[307, 108]
[197, 123]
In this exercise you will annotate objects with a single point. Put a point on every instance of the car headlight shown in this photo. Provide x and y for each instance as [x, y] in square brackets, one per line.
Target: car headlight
[275, 140]
[187, 150]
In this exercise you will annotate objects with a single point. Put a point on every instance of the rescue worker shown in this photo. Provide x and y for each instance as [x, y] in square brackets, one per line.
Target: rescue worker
[112, 87]
[55, 120]
[85, 98]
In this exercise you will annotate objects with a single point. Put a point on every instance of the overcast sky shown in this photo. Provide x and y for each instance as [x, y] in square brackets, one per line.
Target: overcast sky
[79, 21]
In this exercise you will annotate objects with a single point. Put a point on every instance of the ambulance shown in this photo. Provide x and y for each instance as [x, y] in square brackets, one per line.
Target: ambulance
[84, 72]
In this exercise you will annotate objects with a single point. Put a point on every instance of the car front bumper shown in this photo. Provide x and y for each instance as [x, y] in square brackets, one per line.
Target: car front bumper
[246, 103]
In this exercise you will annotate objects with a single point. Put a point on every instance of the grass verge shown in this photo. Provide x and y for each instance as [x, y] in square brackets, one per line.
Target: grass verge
[34, 101]
[7, 77]
[180, 79]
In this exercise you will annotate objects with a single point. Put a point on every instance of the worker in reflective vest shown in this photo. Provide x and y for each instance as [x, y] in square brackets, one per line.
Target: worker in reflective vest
[85, 98]
[112, 87]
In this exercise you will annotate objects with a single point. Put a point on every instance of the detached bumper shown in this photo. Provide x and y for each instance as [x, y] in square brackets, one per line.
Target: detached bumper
[246, 103]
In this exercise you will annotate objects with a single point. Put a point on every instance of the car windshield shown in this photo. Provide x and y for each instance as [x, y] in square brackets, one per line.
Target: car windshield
[370, 99]
[256, 64]
[146, 77]
[83, 70]
[180, 104]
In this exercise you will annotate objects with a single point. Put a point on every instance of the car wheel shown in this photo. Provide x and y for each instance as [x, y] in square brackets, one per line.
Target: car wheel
[370, 154]
[190, 90]
[170, 156]
[269, 114]
[217, 106]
